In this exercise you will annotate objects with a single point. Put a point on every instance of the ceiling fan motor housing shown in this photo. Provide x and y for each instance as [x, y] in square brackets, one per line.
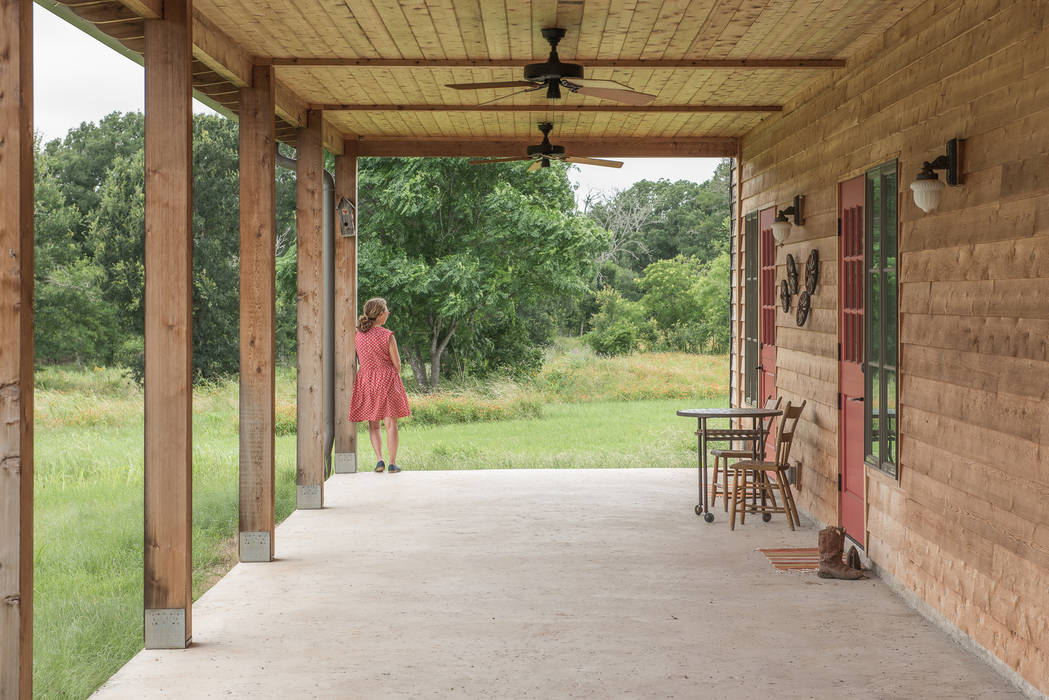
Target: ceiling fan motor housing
[553, 69]
[546, 149]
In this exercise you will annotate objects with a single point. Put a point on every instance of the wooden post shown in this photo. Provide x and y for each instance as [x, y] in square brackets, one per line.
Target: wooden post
[309, 473]
[257, 315]
[345, 459]
[16, 349]
[169, 328]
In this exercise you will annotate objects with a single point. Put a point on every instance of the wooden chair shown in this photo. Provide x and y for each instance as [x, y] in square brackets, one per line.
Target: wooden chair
[759, 485]
[721, 458]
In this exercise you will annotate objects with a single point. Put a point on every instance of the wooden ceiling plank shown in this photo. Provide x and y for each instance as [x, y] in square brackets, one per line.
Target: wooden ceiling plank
[688, 28]
[712, 28]
[639, 34]
[591, 29]
[544, 14]
[663, 29]
[442, 12]
[569, 15]
[561, 107]
[373, 26]
[620, 14]
[496, 34]
[519, 28]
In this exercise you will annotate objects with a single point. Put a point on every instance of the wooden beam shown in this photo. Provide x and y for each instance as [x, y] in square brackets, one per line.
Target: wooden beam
[16, 352]
[309, 207]
[213, 48]
[544, 108]
[289, 106]
[651, 64]
[714, 147]
[146, 9]
[258, 213]
[345, 459]
[333, 138]
[169, 328]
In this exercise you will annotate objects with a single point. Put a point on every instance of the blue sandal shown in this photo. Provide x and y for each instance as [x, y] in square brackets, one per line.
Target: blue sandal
[393, 468]
[380, 467]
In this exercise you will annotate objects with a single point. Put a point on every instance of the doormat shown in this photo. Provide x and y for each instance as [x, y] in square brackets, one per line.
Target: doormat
[794, 558]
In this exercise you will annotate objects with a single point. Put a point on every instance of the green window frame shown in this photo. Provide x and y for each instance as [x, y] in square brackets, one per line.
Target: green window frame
[881, 371]
[751, 347]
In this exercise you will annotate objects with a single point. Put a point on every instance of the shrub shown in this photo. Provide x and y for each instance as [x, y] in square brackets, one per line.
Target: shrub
[619, 338]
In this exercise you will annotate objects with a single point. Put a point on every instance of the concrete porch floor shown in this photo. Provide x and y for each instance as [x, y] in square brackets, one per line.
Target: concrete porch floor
[545, 584]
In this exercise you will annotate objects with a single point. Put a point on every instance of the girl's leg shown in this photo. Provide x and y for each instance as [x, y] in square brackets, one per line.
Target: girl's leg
[391, 438]
[376, 438]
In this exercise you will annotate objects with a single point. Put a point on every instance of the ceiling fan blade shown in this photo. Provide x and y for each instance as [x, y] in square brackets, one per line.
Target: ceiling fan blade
[533, 88]
[594, 161]
[486, 86]
[504, 159]
[608, 90]
[535, 166]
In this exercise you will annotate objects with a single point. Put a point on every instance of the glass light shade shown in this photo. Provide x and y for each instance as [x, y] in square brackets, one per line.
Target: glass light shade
[780, 230]
[928, 193]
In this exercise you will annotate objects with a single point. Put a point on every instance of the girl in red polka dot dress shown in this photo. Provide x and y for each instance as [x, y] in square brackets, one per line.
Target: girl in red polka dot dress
[378, 393]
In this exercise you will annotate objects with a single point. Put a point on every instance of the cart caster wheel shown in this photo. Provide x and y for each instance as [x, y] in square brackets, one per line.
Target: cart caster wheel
[709, 517]
[699, 510]
[766, 516]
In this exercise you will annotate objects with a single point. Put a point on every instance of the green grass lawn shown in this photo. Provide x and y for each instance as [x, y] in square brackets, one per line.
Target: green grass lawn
[582, 411]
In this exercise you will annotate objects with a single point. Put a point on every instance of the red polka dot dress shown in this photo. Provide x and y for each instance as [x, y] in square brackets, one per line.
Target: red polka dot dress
[377, 390]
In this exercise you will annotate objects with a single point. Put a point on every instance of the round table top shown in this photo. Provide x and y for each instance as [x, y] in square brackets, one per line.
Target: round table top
[739, 412]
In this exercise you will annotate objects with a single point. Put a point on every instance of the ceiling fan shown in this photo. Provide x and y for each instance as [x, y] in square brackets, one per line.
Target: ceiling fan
[553, 75]
[546, 152]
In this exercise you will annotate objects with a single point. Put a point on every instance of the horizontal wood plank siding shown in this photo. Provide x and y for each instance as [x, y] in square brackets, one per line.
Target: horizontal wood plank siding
[966, 526]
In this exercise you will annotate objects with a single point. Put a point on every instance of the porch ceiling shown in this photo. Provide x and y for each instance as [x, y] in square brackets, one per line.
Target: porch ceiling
[378, 68]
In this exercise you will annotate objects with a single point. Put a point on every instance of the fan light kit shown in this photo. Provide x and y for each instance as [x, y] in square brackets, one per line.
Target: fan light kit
[545, 152]
[554, 75]
[927, 188]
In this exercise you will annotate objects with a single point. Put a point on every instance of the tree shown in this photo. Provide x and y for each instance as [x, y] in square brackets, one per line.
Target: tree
[460, 250]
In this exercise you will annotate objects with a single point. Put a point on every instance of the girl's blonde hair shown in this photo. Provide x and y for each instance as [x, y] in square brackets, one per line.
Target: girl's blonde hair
[373, 309]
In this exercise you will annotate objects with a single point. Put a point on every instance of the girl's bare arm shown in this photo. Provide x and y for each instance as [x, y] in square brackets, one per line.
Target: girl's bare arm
[395, 355]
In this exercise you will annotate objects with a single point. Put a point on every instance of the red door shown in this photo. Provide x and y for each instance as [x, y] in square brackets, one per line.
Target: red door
[767, 264]
[850, 352]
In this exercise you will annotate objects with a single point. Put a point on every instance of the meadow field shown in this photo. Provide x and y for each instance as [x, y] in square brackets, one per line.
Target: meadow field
[581, 411]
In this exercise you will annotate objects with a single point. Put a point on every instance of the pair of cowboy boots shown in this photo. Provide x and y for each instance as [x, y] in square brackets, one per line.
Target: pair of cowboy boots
[832, 545]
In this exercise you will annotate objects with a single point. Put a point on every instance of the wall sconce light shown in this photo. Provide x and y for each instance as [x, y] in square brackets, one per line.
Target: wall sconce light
[927, 188]
[781, 226]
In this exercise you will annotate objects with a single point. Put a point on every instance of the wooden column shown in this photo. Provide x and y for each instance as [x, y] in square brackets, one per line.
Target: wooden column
[345, 459]
[169, 328]
[16, 349]
[309, 474]
[257, 315]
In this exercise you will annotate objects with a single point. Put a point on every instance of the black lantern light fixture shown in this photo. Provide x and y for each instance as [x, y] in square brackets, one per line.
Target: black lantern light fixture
[781, 226]
[927, 188]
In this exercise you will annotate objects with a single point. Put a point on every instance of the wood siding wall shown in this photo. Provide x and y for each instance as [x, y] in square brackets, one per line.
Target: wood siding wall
[967, 526]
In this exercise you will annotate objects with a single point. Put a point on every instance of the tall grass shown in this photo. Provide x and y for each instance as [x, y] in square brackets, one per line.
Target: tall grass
[580, 411]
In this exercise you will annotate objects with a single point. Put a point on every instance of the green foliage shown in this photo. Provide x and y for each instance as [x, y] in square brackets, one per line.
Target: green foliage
[473, 260]
[669, 294]
[615, 325]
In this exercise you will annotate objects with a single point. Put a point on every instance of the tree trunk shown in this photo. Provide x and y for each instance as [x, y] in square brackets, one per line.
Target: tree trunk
[418, 369]
[437, 349]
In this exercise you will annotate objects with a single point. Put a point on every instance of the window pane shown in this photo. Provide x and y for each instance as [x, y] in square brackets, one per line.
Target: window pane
[874, 225]
[874, 406]
[891, 332]
[888, 222]
[889, 421]
[874, 319]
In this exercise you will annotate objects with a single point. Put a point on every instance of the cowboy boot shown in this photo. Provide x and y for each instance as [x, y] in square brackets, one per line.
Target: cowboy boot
[831, 544]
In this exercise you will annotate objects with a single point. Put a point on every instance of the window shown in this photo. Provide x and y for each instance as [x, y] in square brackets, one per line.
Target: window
[880, 368]
[750, 311]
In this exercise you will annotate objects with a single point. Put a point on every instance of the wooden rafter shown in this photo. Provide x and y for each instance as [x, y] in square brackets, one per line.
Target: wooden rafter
[684, 109]
[711, 147]
[653, 64]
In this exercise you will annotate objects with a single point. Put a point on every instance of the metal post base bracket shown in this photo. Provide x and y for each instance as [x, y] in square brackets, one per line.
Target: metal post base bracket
[345, 462]
[166, 629]
[308, 497]
[255, 546]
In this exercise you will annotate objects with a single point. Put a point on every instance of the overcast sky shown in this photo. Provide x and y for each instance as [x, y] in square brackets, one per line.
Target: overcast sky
[78, 79]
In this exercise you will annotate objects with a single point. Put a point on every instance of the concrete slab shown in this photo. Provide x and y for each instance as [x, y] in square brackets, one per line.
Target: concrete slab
[544, 584]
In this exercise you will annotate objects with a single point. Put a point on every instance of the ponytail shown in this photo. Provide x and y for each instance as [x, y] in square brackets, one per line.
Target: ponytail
[373, 309]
